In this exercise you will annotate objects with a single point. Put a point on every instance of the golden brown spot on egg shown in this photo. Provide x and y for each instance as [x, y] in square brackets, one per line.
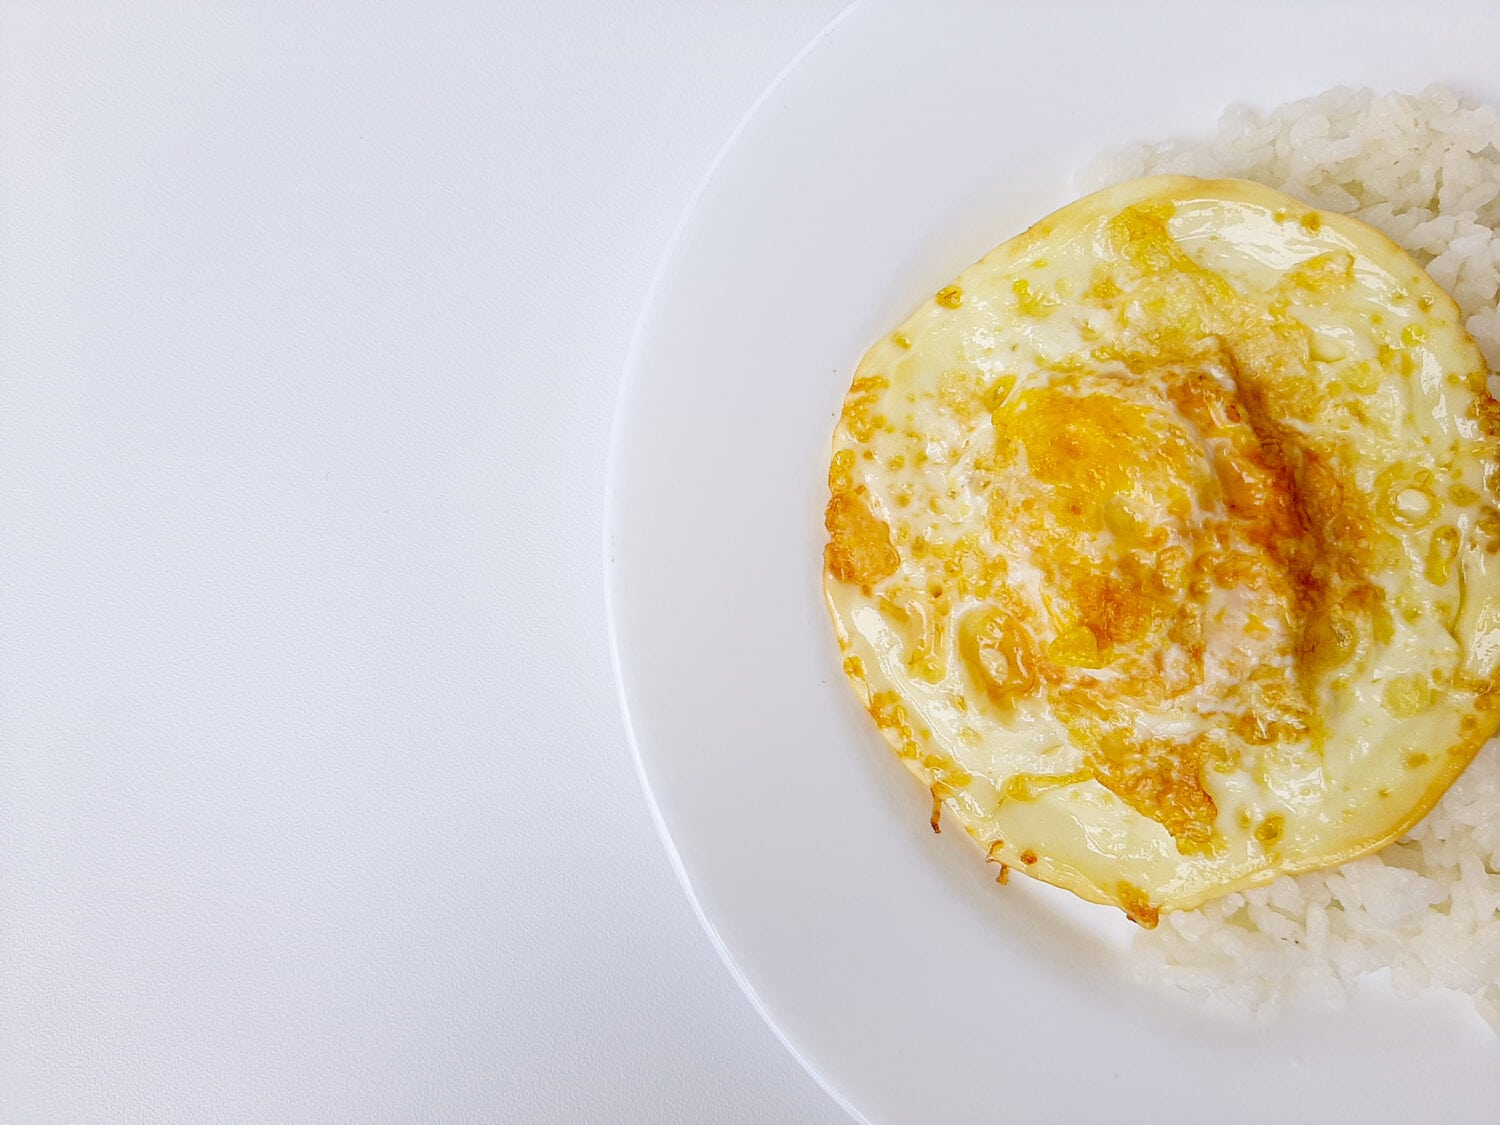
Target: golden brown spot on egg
[1270, 829]
[841, 472]
[1030, 786]
[859, 546]
[890, 715]
[950, 297]
[887, 710]
[1118, 610]
[1028, 857]
[1321, 275]
[1441, 553]
[860, 404]
[1138, 906]
[1162, 779]
[1330, 639]
[1103, 289]
[1139, 234]
[1031, 303]
[1488, 526]
[1408, 695]
[1487, 412]
[1076, 648]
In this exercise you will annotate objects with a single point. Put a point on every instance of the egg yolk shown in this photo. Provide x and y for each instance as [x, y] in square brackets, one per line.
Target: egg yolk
[1161, 535]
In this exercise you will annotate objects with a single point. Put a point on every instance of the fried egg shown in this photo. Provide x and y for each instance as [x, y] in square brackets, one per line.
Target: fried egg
[1164, 548]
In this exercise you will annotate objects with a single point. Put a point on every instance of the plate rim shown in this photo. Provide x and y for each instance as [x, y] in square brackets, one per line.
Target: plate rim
[630, 378]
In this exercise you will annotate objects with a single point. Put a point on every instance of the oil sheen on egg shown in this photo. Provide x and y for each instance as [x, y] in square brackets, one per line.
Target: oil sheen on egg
[1163, 543]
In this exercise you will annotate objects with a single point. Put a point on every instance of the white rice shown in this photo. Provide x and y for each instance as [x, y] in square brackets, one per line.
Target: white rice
[1425, 170]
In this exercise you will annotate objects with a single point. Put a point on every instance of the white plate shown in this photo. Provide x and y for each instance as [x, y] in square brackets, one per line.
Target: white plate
[899, 148]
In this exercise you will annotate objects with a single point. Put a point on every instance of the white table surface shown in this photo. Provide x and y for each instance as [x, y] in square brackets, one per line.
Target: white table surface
[315, 803]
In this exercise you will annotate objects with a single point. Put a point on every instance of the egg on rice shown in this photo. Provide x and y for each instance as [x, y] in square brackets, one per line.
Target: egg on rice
[1162, 543]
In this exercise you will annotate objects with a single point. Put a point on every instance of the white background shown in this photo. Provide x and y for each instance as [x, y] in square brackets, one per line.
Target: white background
[314, 795]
